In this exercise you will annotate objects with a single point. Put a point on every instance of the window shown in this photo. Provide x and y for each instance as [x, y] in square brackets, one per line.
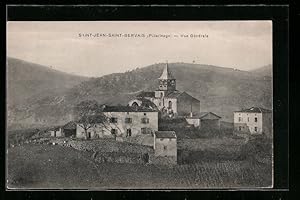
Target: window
[165, 147]
[128, 120]
[170, 105]
[128, 132]
[248, 119]
[113, 120]
[240, 119]
[113, 131]
[145, 130]
[145, 114]
[145, 120]
[255, 129]
[255, 119]
[240, 128]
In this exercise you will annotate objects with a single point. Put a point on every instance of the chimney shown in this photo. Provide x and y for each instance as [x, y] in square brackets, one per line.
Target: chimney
[191, 114]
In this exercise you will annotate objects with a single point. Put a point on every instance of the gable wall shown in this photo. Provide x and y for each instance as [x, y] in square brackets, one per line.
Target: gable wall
[184, 103]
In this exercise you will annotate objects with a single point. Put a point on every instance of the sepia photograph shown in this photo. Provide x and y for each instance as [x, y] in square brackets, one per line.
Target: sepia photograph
[139, 105]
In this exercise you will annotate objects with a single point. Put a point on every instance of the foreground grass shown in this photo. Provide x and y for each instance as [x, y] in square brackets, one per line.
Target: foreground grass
[56, 167]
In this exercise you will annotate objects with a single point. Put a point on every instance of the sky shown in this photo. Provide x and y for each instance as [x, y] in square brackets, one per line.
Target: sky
[86, 48]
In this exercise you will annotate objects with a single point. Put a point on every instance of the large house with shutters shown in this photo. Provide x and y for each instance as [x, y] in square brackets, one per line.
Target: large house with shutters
[122, 121]
[167, 98]
[254, 120]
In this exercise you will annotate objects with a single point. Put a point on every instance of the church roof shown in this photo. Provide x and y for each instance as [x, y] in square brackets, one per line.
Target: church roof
[174, 94]
[166, 73]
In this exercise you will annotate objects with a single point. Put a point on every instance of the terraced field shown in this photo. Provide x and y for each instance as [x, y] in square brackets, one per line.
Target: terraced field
[56, 167]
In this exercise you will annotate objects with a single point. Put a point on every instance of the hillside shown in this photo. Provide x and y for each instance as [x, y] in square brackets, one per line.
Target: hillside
[26, 80]
[263, 71]
[220, 90]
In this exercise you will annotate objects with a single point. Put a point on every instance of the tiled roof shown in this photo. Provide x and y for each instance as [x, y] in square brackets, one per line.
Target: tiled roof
[56, 128]
[203, 114]
[165, 134]
[148, 104]
[70, 125]
[199, 115]
[146, 94]
[166, 73]
[127, 109]
[255, 110]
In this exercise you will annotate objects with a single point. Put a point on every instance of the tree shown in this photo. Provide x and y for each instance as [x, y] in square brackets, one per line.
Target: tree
[88, 114]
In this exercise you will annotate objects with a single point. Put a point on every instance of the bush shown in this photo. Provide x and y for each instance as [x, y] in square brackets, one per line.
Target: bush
[257, 146]
[19, 136]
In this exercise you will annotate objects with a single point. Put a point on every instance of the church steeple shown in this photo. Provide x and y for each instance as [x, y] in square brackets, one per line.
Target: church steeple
[166, 74]
[167, 80]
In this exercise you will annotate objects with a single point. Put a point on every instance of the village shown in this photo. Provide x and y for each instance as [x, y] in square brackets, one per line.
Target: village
[109, 105]
[139, 122]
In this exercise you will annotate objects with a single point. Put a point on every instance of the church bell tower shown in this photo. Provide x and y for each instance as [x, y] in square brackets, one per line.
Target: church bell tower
[167, 82]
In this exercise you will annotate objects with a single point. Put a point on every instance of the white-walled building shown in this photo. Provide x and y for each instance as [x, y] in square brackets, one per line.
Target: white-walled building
[165, 146]
[254, 120]
[122, 121]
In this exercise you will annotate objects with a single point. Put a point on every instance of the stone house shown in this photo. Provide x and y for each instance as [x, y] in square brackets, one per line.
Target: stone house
[69, 129]
[205, 120]
[122, 121]
[168, 99]
[56, 132]
[254, 120]
[165, 146]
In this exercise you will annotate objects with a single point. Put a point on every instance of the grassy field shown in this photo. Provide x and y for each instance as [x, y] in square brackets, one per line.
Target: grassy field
[45, 166]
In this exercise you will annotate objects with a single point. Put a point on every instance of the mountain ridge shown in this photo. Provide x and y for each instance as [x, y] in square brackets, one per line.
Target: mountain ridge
[27, 79]
[220, 90]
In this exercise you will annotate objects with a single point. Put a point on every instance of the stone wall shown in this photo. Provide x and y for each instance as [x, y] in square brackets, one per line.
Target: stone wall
[109, 150]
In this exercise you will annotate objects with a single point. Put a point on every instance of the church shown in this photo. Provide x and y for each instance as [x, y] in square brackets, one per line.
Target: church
[168, 99]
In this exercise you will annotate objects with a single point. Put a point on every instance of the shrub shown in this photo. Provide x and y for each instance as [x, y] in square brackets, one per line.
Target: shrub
[257, 146]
